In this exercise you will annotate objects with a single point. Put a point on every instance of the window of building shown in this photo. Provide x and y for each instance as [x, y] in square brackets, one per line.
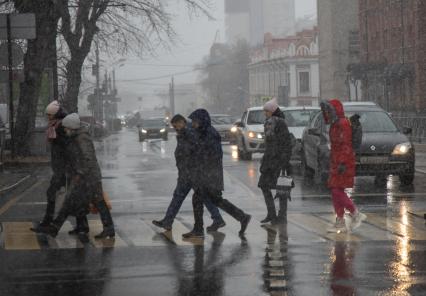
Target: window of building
[304, 82]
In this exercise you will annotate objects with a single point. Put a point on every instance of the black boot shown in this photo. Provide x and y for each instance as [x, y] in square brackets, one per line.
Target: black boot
[51, 230]
[107, 222]
[270, 206]
[216, 225]
[244, 223]
[48, 218]
[82, 226]
[162, 224]
[282, 214]
[195, 233]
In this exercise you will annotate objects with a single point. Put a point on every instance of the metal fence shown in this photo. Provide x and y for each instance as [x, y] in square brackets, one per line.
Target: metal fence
[417, 123]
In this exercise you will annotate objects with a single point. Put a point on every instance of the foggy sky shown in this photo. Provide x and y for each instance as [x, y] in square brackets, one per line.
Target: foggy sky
[196, 36]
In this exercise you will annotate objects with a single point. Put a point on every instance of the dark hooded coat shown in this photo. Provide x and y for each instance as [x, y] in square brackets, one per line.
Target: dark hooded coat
[208, 153]
[58, 149]
[342, 154]
[184, 154]
[278, 150]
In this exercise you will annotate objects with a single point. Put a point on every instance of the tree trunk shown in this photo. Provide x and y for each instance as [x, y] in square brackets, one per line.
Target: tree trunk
[36, 59]
[74, 68]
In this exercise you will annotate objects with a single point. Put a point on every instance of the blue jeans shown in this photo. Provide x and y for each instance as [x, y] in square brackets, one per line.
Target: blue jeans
[182, 189]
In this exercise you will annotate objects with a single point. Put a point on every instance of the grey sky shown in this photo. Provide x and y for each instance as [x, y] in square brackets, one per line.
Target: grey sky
[196, 35]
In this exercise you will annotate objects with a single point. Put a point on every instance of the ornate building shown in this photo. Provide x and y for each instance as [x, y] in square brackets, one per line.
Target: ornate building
[286, 68]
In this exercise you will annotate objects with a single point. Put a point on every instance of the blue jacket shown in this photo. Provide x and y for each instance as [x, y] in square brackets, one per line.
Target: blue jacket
[209, 154]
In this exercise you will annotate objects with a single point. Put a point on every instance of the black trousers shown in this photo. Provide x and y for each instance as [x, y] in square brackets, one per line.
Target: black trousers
[215, 196]
[98, 201]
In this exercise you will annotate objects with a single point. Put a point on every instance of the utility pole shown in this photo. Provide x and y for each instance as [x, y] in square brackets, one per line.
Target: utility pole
[99, 110]
[172, 96]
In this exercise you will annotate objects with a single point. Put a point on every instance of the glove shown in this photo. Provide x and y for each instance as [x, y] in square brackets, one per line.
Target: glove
[341, 168]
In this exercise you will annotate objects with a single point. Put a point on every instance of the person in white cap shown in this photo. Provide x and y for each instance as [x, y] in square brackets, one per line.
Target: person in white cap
[86, 184]
[276, 159]
[58, 141]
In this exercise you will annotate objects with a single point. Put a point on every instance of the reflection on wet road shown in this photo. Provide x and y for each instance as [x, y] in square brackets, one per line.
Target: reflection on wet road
[385, 256]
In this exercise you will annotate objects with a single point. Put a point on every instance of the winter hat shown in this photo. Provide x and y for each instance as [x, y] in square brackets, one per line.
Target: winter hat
[72, 121]
[271, 105]
[53, 108]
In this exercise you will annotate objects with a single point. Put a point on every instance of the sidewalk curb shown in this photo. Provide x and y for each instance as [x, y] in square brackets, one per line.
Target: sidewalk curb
[421, 171]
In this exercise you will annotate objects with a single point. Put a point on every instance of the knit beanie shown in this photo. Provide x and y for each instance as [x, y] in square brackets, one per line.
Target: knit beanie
[53, 108]
[271, 105]
[72, 121]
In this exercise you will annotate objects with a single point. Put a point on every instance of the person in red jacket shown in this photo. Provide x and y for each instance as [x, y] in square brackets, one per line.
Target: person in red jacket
[342, 164]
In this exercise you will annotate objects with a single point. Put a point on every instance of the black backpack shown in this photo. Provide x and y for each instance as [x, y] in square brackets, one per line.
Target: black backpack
[356, 132]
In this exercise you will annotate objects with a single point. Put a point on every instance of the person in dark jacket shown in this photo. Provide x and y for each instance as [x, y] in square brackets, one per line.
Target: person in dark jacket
[86, 184]
[209, 180]
[55, 135]
[276, 159]
[342, 164]
[184, 155]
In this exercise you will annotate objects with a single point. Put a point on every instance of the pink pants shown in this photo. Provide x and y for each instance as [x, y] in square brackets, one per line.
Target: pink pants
[341, 201]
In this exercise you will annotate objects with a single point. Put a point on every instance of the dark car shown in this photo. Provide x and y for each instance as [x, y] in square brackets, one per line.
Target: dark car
[385, 149]
[223, 124]
[153, 128]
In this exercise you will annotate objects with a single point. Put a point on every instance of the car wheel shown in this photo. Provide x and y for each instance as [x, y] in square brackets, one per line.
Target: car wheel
[307, 172]
[406, 180]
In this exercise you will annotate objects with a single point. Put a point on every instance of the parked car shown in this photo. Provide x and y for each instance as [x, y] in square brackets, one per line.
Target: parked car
[297, 119]
[223, 124]
[153, 128]
[385, 149]
[249, 131]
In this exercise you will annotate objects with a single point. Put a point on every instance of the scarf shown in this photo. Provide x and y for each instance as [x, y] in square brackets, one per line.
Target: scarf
[51, 129]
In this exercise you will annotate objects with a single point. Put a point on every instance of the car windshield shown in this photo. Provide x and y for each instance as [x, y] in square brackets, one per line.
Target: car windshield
[153, 123]
[375, 121]
[221, 120]
[256, 117]
[298, 118]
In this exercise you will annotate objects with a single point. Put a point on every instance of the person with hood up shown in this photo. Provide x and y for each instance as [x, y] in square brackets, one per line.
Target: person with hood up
[86, 184]
[184, 155]
[55, 135]
[276, 159]
[209, 177]
[342, 164]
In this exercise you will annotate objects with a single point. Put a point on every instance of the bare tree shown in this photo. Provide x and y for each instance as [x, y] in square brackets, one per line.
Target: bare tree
[139, 26]
[40, 52]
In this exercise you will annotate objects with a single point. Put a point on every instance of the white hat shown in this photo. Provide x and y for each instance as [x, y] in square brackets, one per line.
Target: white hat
[271, 105]
[71, 121]
[53, 108]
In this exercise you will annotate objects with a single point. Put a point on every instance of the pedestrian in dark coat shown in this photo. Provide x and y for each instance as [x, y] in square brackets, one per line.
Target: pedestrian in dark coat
[86, 181]
[209, 180]
[276, 158]
[186, 165]
[58, 141]
[342, 163]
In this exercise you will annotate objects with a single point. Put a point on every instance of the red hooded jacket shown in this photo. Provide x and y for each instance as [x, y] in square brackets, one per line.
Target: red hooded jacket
[342, 153]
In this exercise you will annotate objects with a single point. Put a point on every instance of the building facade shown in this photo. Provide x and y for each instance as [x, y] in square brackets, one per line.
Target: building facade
[286, 68]
[392, 66]
[338, 48]
[251, 19]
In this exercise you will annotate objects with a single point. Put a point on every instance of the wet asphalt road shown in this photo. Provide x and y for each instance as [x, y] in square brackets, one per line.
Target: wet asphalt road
[384, 257]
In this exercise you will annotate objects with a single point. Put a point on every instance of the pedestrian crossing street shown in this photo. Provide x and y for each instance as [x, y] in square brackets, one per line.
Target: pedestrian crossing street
[136, 231]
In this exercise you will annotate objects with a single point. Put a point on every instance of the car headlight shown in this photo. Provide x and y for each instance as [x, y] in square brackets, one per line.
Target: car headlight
[252, 135]
[234, 129]
[402, 149]
[259, 136]
[163, 130]
[144, 131]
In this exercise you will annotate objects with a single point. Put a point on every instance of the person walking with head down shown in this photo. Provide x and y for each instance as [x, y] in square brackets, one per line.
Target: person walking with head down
[342, 165]
[208, 182]
[276, 159]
